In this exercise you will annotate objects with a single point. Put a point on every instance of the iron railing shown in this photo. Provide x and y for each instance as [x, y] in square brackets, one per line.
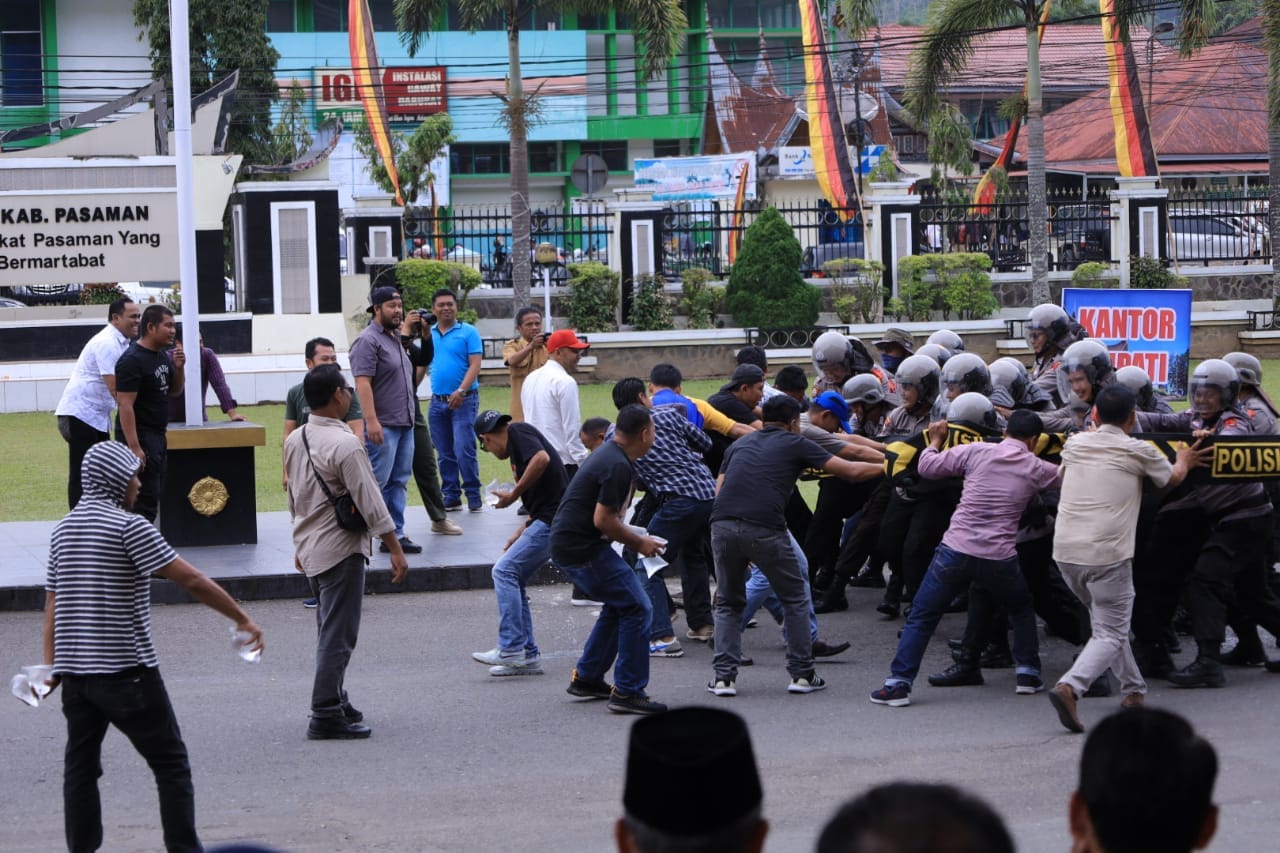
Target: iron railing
[1213, 227]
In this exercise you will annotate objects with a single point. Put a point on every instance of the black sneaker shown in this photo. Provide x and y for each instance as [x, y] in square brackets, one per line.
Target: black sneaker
[810, 682]
[888, 609]
[1028, 685]
[996, 657]
[406, 544]
[453, 507]
[336, 728]
[1201, 672]
[957, 675]
[636, 703]
[588, 689]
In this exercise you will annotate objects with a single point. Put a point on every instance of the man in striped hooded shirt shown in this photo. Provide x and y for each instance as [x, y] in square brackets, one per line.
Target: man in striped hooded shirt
[97, 636]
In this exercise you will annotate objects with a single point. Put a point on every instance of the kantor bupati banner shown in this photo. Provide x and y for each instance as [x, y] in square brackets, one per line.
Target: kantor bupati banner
[1148, 328]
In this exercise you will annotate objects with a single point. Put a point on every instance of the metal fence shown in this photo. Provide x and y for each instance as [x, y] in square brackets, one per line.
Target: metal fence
[1215, 227]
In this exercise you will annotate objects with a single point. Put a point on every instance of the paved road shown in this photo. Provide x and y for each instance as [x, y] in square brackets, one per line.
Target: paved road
[460, 761]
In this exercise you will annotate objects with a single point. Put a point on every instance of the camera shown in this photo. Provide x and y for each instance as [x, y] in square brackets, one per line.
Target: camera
[425, 317]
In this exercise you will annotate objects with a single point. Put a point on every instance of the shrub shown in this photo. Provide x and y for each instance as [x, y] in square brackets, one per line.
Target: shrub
[651, 309]
[966, 285]
[765, 286]
[1091, 274]
[918, 287]
[101, 294]
[856, 293]
[417, 279]
[698, 299]
[1148, 272]
[593, 297]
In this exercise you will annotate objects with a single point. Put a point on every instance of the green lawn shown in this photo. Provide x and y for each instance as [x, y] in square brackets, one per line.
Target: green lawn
[33, 481]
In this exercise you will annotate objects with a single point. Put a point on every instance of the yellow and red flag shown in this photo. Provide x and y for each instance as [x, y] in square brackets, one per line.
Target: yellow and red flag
[827, 141]
[368, 83]
[739, 199]
[1135, 151]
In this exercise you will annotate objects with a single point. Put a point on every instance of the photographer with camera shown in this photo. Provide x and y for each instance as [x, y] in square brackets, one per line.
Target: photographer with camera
[524, 354]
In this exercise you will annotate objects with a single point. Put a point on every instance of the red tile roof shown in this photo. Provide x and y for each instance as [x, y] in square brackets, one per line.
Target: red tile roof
[747, 118]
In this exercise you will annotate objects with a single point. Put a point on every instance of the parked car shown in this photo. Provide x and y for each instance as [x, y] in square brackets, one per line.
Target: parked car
[1079, 233]
[1208, 235]
[816, 257]
[46, 294]
[6, 302]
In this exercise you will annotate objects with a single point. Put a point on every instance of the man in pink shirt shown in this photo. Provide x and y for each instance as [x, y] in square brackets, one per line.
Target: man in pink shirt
[979, 546]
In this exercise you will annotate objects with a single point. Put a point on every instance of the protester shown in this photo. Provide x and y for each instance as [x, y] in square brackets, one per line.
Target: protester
[589, 518]
[324, 460]
[384, 383]
[593, 433]
[85, 407]
[97, 637]
[210, 375]
[540, 481]
[524, 354]
[1146, 783]
[145, 380]
[455, 402]
[550, 398]
[707, 744]
[915, 817]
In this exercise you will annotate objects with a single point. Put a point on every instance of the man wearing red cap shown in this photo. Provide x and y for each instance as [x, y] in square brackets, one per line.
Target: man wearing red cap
[550, 398]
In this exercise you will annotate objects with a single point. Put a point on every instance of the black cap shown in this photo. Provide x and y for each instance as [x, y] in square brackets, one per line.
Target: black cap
[489, 420]
[707, 744]
[743, 374]
[381, 295]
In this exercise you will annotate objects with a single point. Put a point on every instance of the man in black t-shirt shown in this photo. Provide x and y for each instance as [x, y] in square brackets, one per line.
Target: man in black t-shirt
[748, 526]
[145, 380]
[738, 399]
[589, 519]
[540, 480]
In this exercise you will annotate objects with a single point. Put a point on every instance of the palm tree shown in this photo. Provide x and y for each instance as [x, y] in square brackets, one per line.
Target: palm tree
[659, 27]
[948, 44]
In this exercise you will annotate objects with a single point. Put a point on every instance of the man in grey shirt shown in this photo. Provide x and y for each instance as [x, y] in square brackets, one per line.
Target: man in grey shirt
[384, 382]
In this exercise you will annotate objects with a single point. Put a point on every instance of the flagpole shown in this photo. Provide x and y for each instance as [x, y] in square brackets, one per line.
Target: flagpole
[180, 60]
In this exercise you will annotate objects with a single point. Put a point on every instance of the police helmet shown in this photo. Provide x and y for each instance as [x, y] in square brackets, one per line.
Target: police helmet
[1010, 374]
[829, 350]
[948, 340]
[1136, 380]
[1089, 356]
[1215, 373]
[972, 409]
[939, 354]
[920, 372]
[968, 371]
[863, 388]
[1050, 319]
[1248, 368]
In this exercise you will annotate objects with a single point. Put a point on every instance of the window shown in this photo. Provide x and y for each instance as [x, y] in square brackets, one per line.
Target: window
[614, 153]
[21, 55]
[492, 22]
[330, 16]
[545, 157]
[593, 20]
[281, 16]
[666, 148]
[495, 158]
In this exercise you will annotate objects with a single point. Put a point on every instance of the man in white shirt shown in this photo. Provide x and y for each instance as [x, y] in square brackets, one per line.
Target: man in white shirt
[550, 398]
[84, 412]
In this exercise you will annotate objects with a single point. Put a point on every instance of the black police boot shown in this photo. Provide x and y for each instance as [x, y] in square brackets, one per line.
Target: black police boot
[1204, 671]
[963, 673]
[871, 577]
[996, 656]
[1153, 659]
[828, 593]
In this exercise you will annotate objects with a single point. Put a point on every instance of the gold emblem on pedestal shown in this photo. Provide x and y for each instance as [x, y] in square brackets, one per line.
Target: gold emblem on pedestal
[208, 496]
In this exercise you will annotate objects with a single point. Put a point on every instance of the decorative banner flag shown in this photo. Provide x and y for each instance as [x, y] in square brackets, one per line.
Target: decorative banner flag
[827, 139]
[368, 84]
[984, 194]
[1135, 152]
[735, 233]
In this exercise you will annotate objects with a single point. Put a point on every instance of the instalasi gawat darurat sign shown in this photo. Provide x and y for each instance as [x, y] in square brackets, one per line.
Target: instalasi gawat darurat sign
[88, 237]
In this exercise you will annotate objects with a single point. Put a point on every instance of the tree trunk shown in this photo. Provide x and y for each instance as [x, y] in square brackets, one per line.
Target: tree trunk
[521, 247]
[1273, 192]
[1037, 203]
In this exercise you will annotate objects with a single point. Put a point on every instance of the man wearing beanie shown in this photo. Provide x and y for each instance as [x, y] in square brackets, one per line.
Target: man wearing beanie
[692, 743]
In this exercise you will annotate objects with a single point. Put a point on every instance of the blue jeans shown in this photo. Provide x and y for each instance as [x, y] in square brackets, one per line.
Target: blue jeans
[454, 433]
[510, 576]
[682, 522]
[760, 594]
[392, 464]
[622, 630]
[949, 574]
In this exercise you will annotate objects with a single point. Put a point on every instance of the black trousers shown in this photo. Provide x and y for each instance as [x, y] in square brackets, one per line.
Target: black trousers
[79, 437]
[912, 530]
[837, 500]
[426, 473]
[136, 703]
[156, 447]
[339, 593]
[1051, 597]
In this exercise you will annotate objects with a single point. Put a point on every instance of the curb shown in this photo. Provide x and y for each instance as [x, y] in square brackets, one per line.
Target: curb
[294, 585]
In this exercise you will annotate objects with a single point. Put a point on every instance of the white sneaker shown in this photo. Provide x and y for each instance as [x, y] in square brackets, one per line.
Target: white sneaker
[496, 657]
[445, 527]
[532, 666]
[722, 687]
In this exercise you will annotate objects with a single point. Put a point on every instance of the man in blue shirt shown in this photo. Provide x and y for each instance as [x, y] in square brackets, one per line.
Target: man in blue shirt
[455, 402]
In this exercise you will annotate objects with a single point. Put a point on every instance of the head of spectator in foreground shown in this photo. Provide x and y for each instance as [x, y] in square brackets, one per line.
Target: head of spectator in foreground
[1025, 426]
[593, 432]
[1116, 406]
[327, 391]
[665, 376]
[792, 381]
[910, 817]
[1146, 783]
[633, 431]
[782, 411]
[708, 744]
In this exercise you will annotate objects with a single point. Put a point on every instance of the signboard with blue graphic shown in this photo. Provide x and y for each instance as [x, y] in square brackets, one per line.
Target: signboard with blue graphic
[706, 177]
[1147, 328]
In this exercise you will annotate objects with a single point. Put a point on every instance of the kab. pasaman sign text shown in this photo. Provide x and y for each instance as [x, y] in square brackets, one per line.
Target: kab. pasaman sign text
[70, 238]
